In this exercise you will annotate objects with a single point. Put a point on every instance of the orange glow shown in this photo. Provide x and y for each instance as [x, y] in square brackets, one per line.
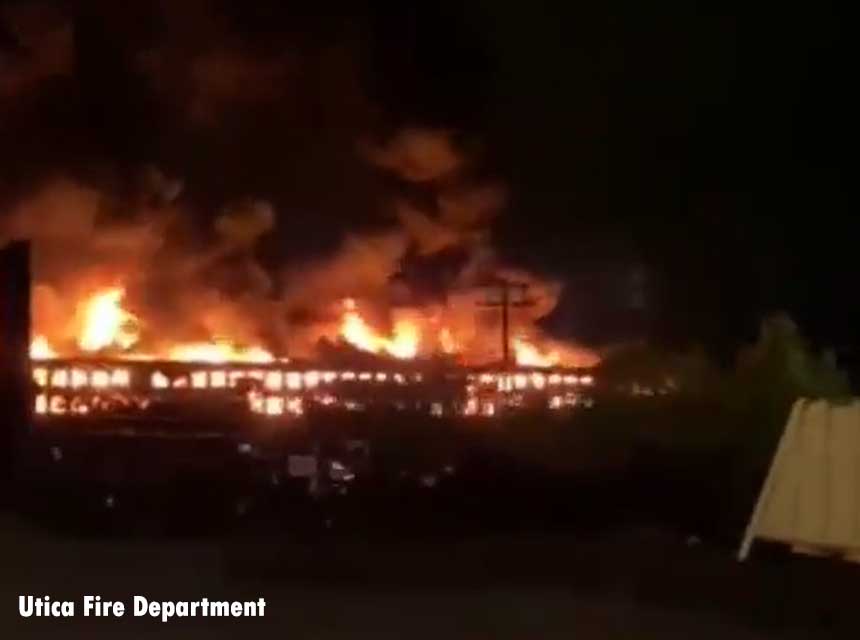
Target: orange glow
[120, 378]
[256, 402]
[312, 379]
[528, 355]
[274, 405]
[100, 379]
[447, 342]
[199, 379]
[274, 381]
[471, 407]
[326, 400]
[57, 404]
[40, 349]
[218, 352]
[402, 344]
[219, 379]
[59, 378]
[160, 381]
[294, 380]
[40, 376]
[104, 323]
[79, 378]
[79, 406]
[295, 406]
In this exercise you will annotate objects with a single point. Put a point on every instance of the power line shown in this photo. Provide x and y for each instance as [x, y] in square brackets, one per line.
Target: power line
[512, 295]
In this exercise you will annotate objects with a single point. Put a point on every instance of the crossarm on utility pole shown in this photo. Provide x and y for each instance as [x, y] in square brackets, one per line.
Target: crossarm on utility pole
[508, 290]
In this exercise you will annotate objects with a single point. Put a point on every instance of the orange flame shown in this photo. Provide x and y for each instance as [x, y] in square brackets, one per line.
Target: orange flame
[218, 352]
[402, 344]
[528, 355]
[102, 323]
[447, 341]
[40, 349]
[105, 323]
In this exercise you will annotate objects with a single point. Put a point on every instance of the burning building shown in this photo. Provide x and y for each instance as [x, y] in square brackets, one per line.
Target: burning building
[133, 306]
[108, 375]
[106, 388]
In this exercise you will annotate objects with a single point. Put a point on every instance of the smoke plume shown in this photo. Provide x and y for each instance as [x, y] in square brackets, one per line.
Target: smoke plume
[185, 284]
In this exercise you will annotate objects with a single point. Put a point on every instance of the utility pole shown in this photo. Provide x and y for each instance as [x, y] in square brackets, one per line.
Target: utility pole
[512, 294]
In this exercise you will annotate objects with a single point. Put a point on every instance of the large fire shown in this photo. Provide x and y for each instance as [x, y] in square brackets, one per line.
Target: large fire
[104, 322]
[403, 342]
[41, 349]
[154, 282]
[529, 355]
[406, 339]
[218, 352]
[105, 325]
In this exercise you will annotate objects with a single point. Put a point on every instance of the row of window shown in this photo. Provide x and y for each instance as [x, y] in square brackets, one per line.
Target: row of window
[120, 377]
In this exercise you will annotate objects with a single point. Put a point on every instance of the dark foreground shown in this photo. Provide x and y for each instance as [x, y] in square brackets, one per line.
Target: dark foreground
[638, 584]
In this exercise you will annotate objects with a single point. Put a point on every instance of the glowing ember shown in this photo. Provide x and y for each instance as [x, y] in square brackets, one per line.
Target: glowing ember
[218, 352]
[40, 349]
[105, 323]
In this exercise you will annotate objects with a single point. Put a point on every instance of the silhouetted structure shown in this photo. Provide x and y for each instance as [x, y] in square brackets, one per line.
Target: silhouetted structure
[15, 376]
[513, 294]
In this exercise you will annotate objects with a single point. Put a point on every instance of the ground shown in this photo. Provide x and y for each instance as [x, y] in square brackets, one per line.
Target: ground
[643, 584]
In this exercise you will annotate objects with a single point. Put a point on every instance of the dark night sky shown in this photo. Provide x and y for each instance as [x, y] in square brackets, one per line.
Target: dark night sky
[682, 168]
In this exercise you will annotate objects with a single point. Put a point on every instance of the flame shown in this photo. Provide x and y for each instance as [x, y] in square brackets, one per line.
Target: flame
[405, 339]
[402, 344]
[217, 352]
[142, 279]
[447, 341]
[40, 349]
[102, 323]
[528, 355]
[105, 323]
